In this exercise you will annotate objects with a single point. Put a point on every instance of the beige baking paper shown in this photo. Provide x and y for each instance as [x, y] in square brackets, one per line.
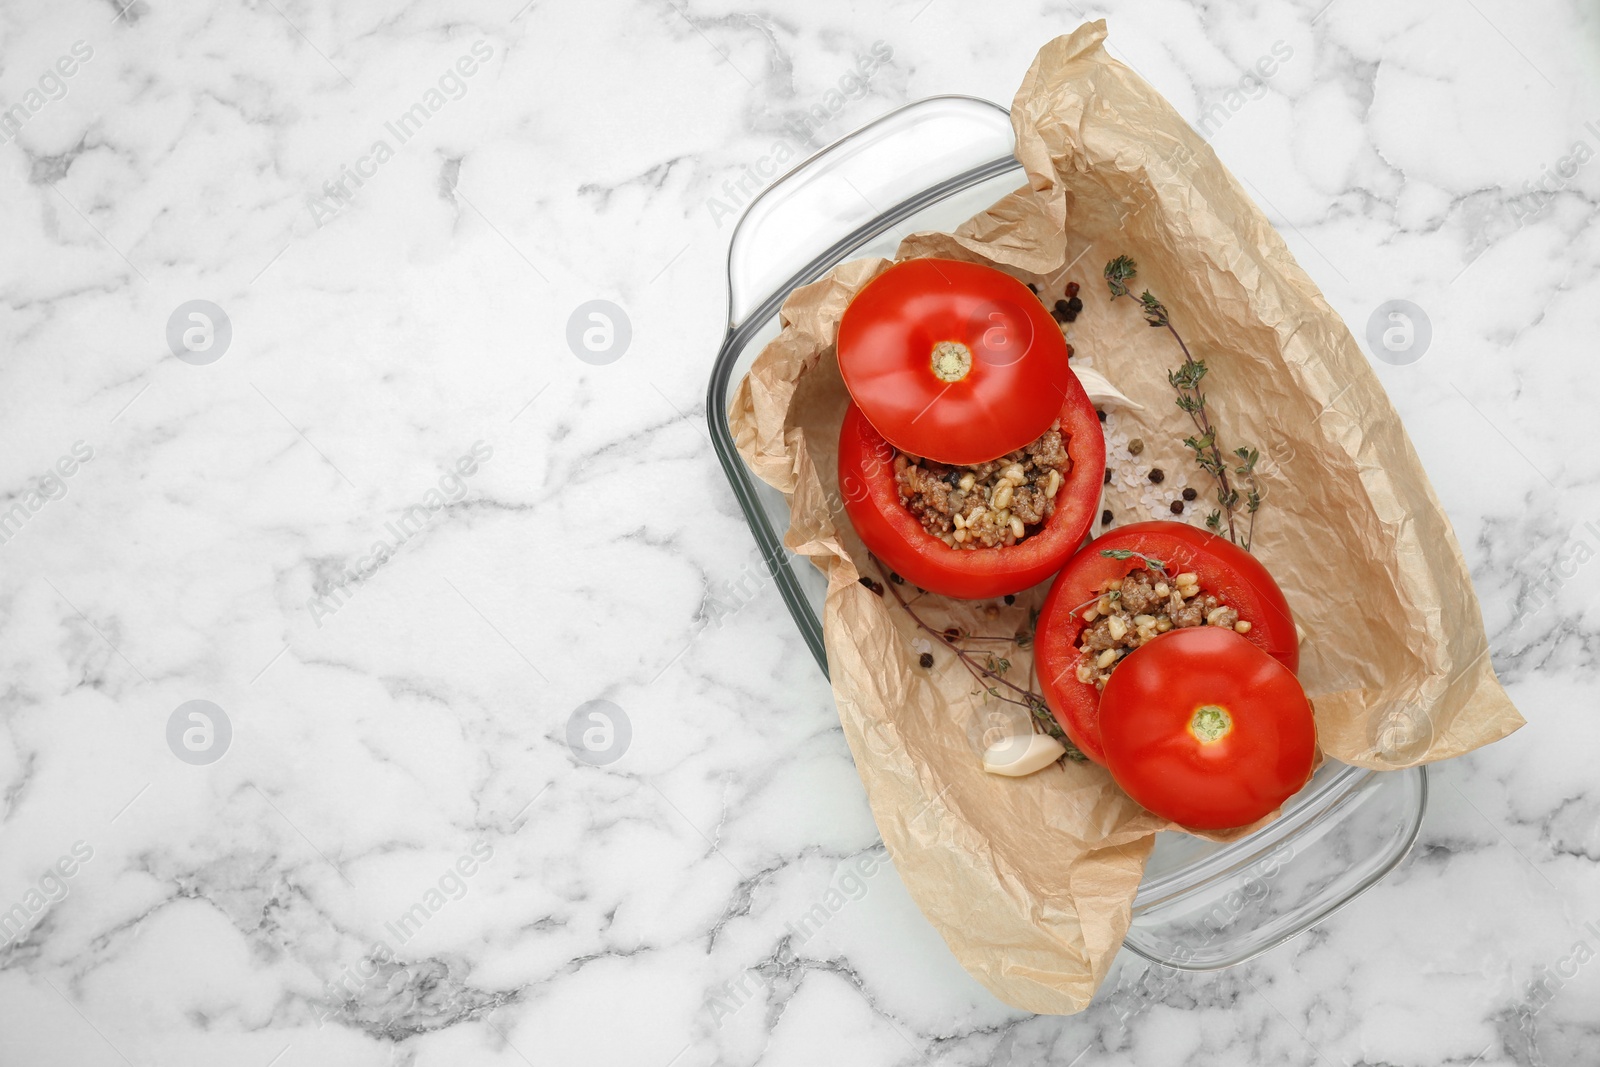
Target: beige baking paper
[1031, 880]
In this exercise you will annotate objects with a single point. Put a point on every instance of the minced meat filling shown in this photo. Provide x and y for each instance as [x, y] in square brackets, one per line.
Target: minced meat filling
[991, 504]
[1135, 609]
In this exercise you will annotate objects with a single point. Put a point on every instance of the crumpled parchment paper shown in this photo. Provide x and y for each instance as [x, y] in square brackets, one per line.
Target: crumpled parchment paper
[1031, 880]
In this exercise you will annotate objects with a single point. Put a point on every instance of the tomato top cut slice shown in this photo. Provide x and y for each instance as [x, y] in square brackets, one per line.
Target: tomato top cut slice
[897, 537]
[953, 361]
[1202, 727]
[1221, 568]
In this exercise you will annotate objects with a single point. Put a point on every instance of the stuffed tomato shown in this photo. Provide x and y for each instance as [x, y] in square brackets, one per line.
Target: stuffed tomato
[1131, 586]
[971, 459]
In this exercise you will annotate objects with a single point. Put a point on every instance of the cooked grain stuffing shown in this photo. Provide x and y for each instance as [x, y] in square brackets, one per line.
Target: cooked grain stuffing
[1134, 609]
[989, 505]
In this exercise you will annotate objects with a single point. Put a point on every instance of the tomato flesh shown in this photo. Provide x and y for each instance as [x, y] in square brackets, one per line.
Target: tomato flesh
[1202, 727]
[897, 537]
[953, 361]
[1222, 569]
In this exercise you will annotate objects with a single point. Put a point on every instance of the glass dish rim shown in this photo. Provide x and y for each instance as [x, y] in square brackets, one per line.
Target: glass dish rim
[737, 334]
[1348, 780]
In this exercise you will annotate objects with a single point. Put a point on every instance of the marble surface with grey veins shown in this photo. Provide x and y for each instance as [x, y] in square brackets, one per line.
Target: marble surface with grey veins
[318, 531]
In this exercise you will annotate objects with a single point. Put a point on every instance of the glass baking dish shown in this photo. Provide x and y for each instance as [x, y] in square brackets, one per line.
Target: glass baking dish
[930, 166]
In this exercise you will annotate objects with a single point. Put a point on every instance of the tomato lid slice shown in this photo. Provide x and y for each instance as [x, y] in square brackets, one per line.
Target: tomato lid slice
[1205, 728]
[956, 362]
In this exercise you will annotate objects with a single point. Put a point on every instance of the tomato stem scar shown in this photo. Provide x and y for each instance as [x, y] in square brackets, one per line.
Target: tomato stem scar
[1210, 723]
[952, 361]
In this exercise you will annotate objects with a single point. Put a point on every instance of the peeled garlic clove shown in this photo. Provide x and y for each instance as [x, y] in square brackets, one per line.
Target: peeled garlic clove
[1100, 389]
[1022, 754]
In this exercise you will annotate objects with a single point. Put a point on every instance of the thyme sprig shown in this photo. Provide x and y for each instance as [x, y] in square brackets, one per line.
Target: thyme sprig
[989, 670]
[1127, 553]
[1235, 477]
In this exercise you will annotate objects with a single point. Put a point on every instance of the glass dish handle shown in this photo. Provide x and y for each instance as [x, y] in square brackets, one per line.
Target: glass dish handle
[853, 182]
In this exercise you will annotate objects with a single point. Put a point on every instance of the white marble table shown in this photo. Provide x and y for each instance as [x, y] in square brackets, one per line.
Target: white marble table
[395, 533]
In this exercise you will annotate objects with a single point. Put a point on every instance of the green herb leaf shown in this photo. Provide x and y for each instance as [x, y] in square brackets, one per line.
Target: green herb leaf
[1155, 312]
[1119, 272]
[1128, 553]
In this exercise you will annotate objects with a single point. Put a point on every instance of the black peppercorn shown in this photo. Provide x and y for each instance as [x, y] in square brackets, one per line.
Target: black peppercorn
[864, 580]
[1034, 289]
[1060, 311]
[1010, 599]
[1177, 507]
[926, 659]
[1073, 307]
[1101, 414]
[1105, 517]
[1189, 494]
[1108, 476]
[1157, 475]
[896, 579]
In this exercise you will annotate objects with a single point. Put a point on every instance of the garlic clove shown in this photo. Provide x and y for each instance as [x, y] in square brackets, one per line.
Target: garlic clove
[1022, 754]
[1100, 389]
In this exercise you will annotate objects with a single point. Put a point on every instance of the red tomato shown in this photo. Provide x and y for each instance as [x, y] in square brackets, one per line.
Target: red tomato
[895, 536]
[1223, 569]
[953, 361]
[1202, 727]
